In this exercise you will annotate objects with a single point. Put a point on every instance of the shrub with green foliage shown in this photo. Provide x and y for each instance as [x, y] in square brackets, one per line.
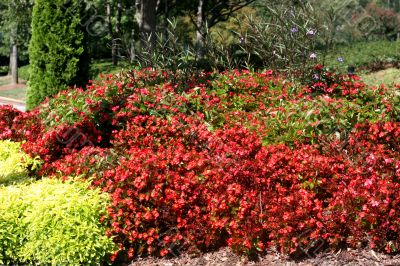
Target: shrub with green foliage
[371, 55]
[15, 164]
[23, 72]
[53, 223]
[57, 50]
[285, 39]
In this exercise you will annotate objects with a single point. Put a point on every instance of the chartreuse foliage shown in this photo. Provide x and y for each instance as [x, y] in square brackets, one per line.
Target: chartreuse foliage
[14, 163]
[57, 49]
[51, 222]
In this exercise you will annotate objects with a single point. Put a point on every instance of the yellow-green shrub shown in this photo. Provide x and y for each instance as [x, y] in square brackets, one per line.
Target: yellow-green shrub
[14, 163]
[51, 222]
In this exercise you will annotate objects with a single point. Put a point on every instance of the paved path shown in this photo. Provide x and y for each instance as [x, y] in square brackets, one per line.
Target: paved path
[12, 86]
[20, 105]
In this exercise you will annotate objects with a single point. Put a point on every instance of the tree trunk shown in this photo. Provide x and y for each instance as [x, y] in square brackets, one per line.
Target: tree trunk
[148, 21]
[119, 16]
[166, 18]
[132, 50]
[10, 63]
[14, 57]
[118, 30]
[137, 16]
[200, 28]
[111, 32]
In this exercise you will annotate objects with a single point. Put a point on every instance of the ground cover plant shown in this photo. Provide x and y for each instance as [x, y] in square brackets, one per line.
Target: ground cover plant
[238, 158]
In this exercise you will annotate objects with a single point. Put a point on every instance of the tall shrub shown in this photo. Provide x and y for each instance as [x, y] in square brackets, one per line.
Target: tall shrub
[57, 50]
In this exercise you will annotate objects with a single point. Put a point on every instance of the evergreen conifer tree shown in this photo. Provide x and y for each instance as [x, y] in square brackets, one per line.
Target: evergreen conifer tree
[57, 50]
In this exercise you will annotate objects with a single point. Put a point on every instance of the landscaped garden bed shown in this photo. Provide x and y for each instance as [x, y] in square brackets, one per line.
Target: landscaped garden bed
[239, 159]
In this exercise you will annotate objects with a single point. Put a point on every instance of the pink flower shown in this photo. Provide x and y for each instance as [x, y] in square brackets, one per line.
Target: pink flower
[311, 32]
[144, 91]
[368, 183]
[374, 203]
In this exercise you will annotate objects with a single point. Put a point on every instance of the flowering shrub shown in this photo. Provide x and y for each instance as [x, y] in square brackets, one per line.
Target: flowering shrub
[237, 158]
[367, 194]
[8, 113]
[16, 125]
[62, 140]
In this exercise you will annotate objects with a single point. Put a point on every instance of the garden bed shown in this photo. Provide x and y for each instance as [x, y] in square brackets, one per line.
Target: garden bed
[246, 160]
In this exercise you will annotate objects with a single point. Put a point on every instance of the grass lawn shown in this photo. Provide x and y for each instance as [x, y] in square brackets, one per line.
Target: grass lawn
[4, 81]
[105, 66]
[17, 93]
[388, 77]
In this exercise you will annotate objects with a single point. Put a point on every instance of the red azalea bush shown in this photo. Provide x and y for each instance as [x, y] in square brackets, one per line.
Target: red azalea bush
[366, 198]
[7, 115]
[17, 126]
[330, 83]
[192, 163]
[63, 140]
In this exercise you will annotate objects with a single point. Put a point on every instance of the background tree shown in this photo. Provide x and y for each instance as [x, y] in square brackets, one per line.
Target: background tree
[387, 21]
[15, 26]
[147, 20]
[362, 20]
[57, 50]
[114, 31]
[208, 13]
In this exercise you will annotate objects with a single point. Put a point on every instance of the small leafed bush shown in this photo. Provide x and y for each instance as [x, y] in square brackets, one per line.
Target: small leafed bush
[53, 223]
[23, 72]
[15, 164]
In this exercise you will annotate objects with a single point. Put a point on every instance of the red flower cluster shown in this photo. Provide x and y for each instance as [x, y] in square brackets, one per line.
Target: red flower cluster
[180, 185]
[57, 142]
[186, 167]
[330, 83]
[365, 203]
[17, 126]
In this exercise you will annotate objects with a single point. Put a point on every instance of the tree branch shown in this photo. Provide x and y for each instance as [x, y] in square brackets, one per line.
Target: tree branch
[220, 15]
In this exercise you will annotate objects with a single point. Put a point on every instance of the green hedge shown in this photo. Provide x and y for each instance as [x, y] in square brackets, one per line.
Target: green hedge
[363, 54]
[23, 72]
[51, 222]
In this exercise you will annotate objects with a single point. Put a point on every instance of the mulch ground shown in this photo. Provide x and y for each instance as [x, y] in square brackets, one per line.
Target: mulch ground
[224, 257]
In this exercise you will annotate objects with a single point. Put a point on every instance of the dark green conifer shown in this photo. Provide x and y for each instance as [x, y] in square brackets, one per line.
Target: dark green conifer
[57, 50]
